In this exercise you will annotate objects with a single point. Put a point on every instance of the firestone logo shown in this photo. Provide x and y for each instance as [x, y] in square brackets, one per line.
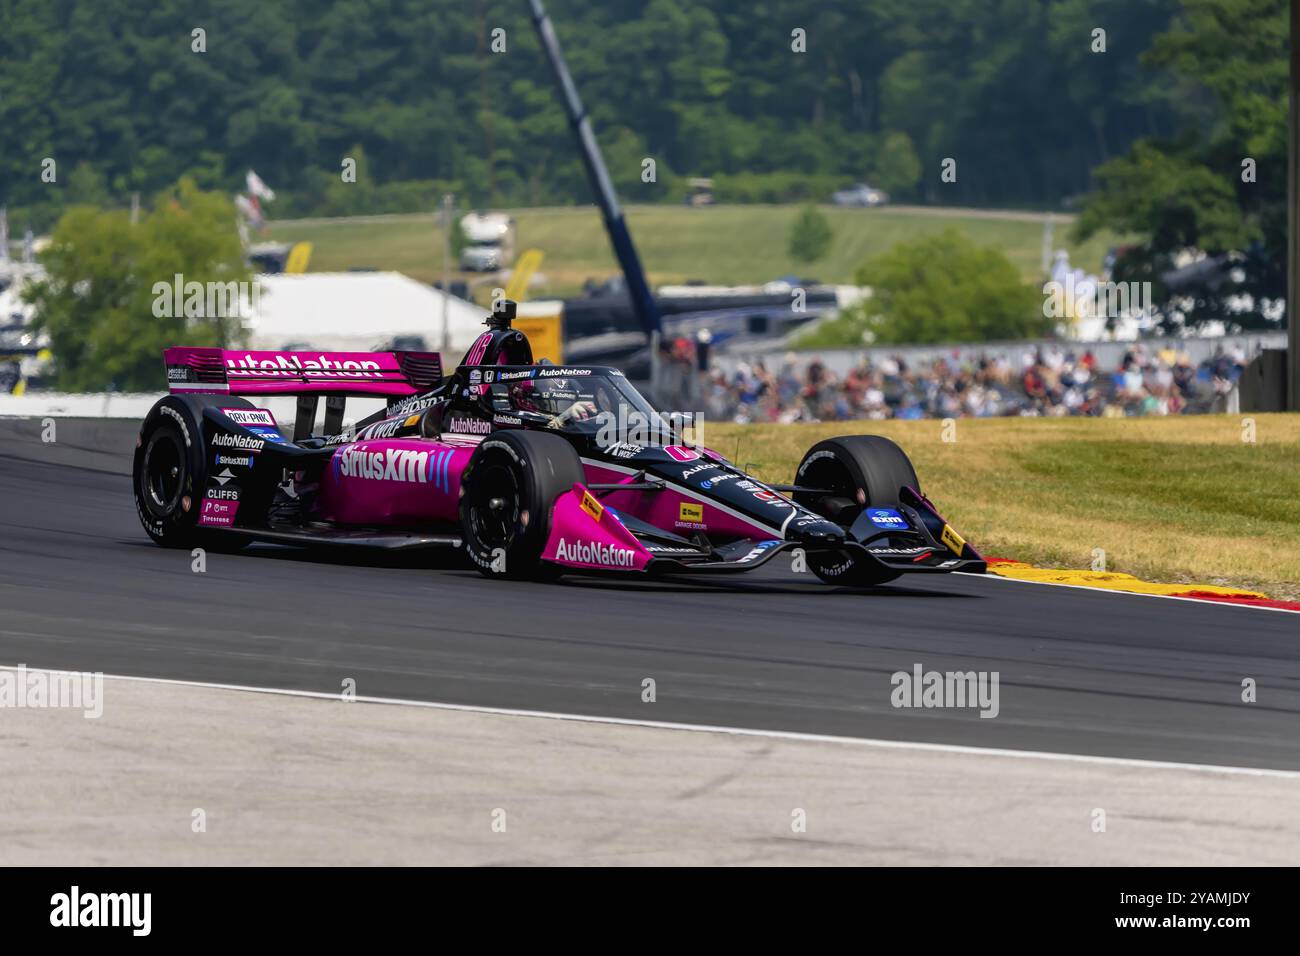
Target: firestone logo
[392, 464]
[591, 552]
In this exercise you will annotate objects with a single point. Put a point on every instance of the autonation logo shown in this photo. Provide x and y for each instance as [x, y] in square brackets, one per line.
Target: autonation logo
[592, 552]
[956, 689]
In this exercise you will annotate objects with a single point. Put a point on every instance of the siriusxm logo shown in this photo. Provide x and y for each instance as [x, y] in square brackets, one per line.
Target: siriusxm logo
[886, 518]
[396, 464]
[242, 461]
[269, 434]
[592, 552]
[391, 464]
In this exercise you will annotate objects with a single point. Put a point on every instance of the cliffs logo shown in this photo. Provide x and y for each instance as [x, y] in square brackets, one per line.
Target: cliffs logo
[594, 553]
[391, 464]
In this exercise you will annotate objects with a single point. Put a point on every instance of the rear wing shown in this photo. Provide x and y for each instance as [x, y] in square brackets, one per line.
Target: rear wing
[243, 372]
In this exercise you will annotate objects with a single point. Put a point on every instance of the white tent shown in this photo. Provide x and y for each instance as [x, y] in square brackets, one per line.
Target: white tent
[357, 311]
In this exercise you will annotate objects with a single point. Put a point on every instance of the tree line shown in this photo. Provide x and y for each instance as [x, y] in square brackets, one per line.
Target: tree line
[1211, 185]
[777, 100]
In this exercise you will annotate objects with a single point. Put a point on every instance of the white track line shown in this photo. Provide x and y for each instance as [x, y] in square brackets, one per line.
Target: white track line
[732, 731]
[1167, 597]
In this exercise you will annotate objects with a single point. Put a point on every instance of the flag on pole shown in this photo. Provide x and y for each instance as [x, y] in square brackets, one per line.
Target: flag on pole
[258, 188]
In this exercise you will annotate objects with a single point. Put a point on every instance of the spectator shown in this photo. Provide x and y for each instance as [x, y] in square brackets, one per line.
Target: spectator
[1047, 382]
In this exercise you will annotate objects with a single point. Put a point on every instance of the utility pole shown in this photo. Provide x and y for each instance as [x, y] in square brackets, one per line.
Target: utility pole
[1048, 222]
[485, 105]
[448, 207]
[1293, 223]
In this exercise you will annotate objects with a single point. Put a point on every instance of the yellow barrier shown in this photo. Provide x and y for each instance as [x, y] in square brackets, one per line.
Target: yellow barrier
[545, 334]
[299, 256]
[525, 266]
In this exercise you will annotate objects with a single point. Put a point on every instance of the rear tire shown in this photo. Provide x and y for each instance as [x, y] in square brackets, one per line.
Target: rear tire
[508, 492]
[862, 471]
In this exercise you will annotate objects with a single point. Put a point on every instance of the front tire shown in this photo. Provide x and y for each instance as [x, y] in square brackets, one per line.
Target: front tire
[508, 492]
[860, 471]
[167, 475]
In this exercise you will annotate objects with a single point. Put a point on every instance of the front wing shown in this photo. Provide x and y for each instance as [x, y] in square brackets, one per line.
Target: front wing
[588, 536]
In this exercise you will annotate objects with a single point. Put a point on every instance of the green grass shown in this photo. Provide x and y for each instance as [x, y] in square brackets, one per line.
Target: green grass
[1175, 500]
[733, 245]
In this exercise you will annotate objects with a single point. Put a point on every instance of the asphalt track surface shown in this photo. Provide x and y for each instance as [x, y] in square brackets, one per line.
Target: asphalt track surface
[1081, 672]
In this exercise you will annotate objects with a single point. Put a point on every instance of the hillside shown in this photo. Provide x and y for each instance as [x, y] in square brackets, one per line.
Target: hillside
[720, 244]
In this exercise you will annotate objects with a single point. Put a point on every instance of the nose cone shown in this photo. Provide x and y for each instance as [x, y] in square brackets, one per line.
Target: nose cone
[814, 531]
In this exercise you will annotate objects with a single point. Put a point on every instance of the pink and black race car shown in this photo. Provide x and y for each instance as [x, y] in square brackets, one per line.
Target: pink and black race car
[527, 466]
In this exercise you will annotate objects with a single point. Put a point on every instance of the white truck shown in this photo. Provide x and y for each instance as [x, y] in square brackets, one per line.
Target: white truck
[490, 241]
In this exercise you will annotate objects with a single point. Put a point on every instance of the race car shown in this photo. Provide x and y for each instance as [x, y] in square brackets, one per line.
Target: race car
[528, 467]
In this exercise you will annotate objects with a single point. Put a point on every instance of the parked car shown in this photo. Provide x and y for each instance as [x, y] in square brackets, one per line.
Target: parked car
[860, 194]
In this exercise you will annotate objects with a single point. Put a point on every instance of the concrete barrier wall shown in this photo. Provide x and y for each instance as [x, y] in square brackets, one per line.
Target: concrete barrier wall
[136, 406]
[97, 444]
[88, 405]
[1109, 354]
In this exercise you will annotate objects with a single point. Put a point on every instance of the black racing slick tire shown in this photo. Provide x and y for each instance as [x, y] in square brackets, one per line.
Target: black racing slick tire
[858, 471]
[508, 493]
[169, 472]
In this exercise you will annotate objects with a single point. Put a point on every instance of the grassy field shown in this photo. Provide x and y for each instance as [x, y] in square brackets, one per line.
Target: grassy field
[721, 244]
[1173, 500]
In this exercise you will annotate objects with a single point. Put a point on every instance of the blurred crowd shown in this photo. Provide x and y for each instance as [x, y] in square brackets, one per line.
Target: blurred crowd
[1048, 381]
